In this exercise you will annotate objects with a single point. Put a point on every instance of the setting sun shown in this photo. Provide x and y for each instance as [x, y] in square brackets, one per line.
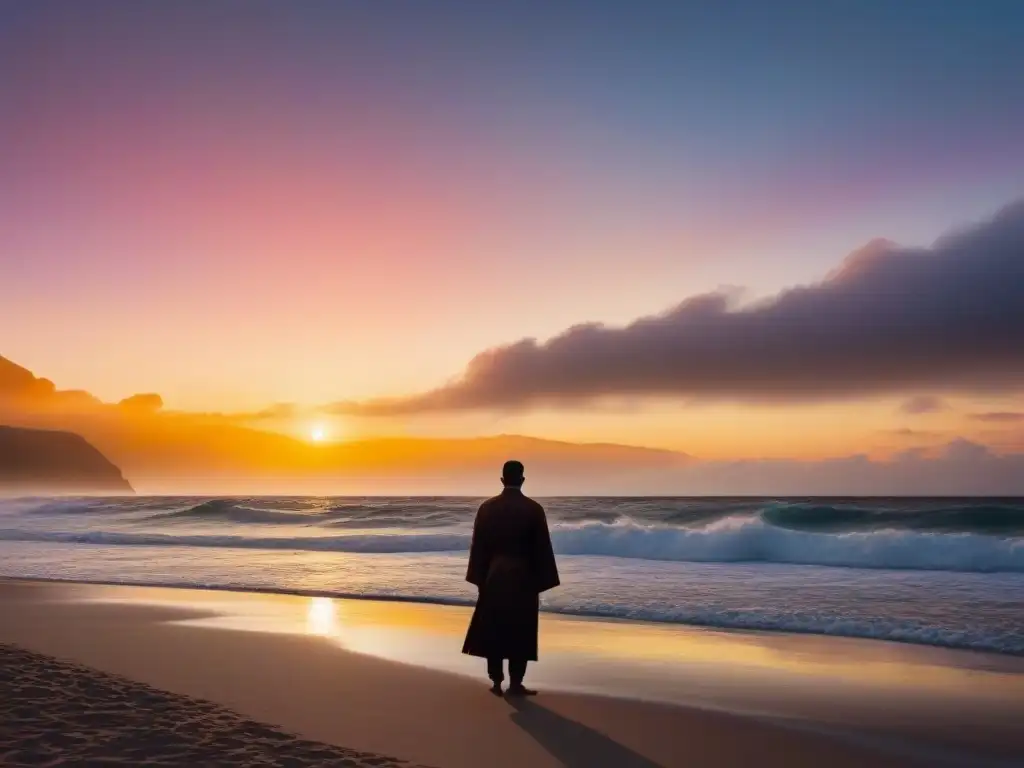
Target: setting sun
[479, 347]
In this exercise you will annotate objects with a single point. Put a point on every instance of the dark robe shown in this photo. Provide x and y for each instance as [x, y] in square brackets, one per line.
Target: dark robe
[512, 562]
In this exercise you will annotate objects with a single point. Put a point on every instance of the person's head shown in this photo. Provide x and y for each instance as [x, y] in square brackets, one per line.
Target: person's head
[512, 474]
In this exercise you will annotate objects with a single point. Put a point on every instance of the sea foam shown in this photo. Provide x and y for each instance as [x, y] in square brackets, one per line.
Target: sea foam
[736, 539]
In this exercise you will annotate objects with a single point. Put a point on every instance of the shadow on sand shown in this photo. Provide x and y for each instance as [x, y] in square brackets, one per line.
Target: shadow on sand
[571, 743]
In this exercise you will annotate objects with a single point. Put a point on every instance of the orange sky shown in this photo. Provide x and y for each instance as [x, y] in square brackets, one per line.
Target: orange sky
[346, 205]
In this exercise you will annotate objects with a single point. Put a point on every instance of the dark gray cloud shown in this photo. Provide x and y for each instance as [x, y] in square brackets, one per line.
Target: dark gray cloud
[889, 320]
[923, 404]
[999, 417]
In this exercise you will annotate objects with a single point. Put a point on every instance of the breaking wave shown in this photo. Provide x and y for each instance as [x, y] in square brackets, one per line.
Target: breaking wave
[1001, 517]
[936, 571]
[732, 540]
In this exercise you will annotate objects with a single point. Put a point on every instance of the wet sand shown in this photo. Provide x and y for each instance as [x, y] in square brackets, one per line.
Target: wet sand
[385, 680]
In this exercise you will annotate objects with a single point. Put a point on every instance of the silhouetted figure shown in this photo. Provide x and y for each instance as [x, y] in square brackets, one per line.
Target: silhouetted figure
[511, 562]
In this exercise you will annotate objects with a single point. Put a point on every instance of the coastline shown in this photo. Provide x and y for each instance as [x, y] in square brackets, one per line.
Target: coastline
[922, 573]
[384, 678]
[608, 616]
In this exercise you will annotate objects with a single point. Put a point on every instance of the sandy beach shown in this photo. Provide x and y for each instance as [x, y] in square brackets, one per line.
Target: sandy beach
[184, 677]
[63, 713]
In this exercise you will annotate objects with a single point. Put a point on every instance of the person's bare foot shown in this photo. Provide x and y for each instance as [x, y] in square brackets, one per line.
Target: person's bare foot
[496, 689]
[518, 689]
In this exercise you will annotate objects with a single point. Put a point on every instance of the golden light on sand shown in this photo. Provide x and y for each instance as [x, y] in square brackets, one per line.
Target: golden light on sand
[322, 617]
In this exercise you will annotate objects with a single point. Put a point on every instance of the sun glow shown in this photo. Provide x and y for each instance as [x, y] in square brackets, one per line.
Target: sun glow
[318, 433]
[322, 617]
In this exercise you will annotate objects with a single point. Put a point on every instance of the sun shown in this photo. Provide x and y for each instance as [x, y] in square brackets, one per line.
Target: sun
[318, 433]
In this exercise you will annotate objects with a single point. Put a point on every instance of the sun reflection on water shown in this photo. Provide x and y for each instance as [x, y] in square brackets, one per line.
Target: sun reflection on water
[322, 617]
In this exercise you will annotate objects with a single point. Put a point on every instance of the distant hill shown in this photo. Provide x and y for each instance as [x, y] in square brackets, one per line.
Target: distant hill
[169, 455]
[45, 461]
[178, 452]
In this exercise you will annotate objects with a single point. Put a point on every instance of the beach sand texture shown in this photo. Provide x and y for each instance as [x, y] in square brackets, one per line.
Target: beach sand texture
[58, 713]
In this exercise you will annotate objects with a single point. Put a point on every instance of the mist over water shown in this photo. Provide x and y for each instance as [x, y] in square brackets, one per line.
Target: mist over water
[940, 571]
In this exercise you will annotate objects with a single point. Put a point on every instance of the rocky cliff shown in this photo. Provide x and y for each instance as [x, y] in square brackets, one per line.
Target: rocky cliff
[43, 461]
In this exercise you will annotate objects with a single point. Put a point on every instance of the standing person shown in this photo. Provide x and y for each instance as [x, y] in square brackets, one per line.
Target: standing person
[511, 562]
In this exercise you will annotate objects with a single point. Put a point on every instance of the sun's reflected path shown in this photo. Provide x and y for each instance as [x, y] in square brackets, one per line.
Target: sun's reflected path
[396, 631]
[323, 617]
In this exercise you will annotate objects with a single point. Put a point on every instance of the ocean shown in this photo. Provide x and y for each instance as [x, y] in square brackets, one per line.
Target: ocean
[946, 572]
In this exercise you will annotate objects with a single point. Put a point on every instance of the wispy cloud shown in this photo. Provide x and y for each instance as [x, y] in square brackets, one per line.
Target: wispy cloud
[912, 433]
[920, 404]
[144, 403]
[999, 417]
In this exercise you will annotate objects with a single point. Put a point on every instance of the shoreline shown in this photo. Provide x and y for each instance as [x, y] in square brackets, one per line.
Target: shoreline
[581, 615]
[338, 666]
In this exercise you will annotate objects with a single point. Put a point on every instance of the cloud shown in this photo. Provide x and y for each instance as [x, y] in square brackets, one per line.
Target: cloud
[145, 403]
[923, 404]
[907, 432]
[961, 468]
[999, 417]
[178, 452]
[18, 382]
[270, 413]
[22, 390]
[276, 411]
[889, 320]
[23, 395]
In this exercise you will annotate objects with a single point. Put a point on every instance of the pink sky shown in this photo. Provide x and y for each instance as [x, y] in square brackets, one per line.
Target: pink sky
[238, 214]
